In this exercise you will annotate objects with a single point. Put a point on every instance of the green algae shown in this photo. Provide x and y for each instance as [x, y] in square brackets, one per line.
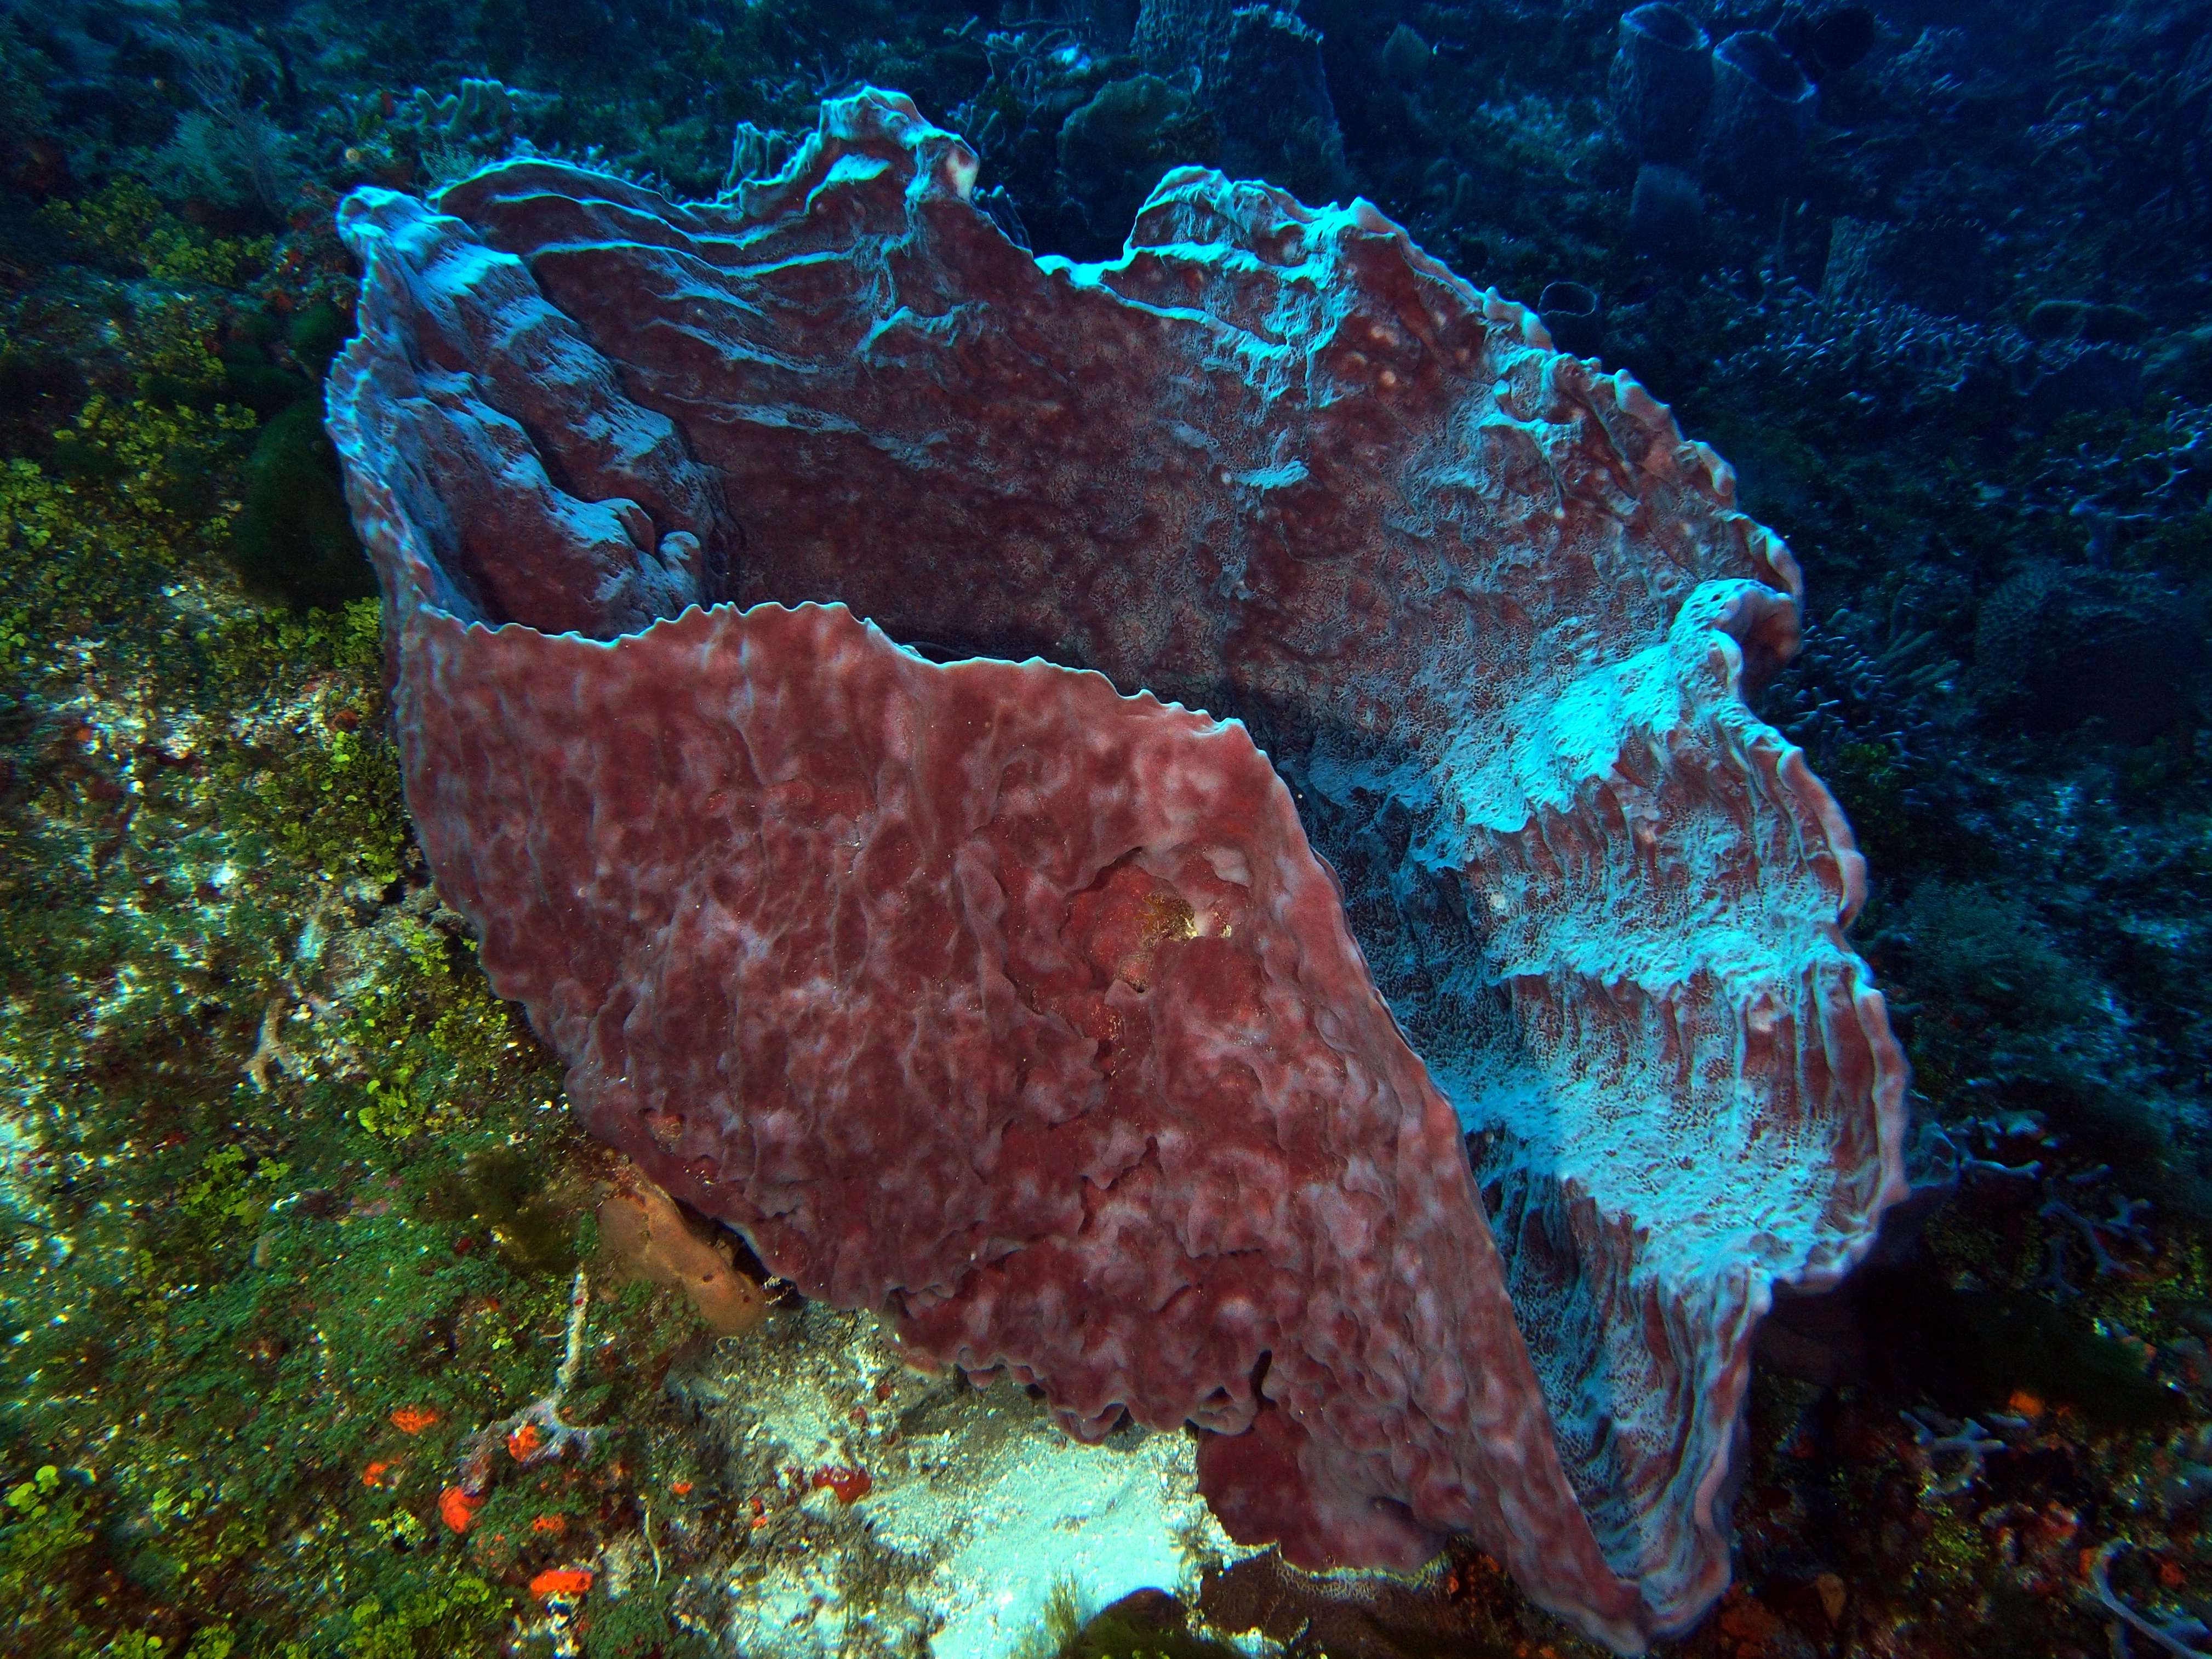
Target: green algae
[129, 227]
[248, 1064]
[457, 1616]
[319, 784]
[296, 539]
[642, 1626]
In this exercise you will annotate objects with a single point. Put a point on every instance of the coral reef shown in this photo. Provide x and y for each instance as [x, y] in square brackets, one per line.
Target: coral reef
[292, 1204]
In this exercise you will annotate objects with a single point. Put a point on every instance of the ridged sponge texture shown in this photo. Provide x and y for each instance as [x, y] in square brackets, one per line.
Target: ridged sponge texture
[1002, 995]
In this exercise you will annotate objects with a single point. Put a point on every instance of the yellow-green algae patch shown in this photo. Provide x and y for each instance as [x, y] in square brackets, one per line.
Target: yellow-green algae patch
[278, 1169]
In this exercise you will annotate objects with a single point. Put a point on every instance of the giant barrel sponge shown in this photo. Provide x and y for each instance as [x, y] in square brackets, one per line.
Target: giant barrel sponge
[974, 981]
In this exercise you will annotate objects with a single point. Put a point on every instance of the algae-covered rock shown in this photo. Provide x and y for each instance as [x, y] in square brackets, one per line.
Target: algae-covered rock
[295, 540]
[2054, 647]
[1115, 147]
[315, 334]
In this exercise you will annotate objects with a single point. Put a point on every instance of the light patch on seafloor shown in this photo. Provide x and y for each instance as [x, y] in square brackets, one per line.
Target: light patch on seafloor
[978, 1507]
[1030, 1509]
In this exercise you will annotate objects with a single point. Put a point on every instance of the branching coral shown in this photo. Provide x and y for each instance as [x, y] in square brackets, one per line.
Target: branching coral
[2120, 1227]
[1969, 1442]
[1870, 688]
[537, 1433]
[229, 149]
[2181, 1634]
[1882, 360]
[2132, 119]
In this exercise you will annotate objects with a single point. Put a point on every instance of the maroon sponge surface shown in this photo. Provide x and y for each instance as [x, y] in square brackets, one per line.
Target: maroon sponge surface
[983, 993]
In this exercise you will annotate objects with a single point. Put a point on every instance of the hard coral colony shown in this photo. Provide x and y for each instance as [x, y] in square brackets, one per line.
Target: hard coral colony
[976, 990]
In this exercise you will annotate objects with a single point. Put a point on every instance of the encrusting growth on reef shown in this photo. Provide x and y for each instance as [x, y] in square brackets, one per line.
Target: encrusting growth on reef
[536, 1434]
[651, 1237]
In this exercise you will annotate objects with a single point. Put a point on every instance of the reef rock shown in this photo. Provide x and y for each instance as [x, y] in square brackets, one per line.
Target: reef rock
[1001, 996]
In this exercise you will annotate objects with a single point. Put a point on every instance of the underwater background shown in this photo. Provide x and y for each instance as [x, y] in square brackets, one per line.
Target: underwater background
[297, 1222]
